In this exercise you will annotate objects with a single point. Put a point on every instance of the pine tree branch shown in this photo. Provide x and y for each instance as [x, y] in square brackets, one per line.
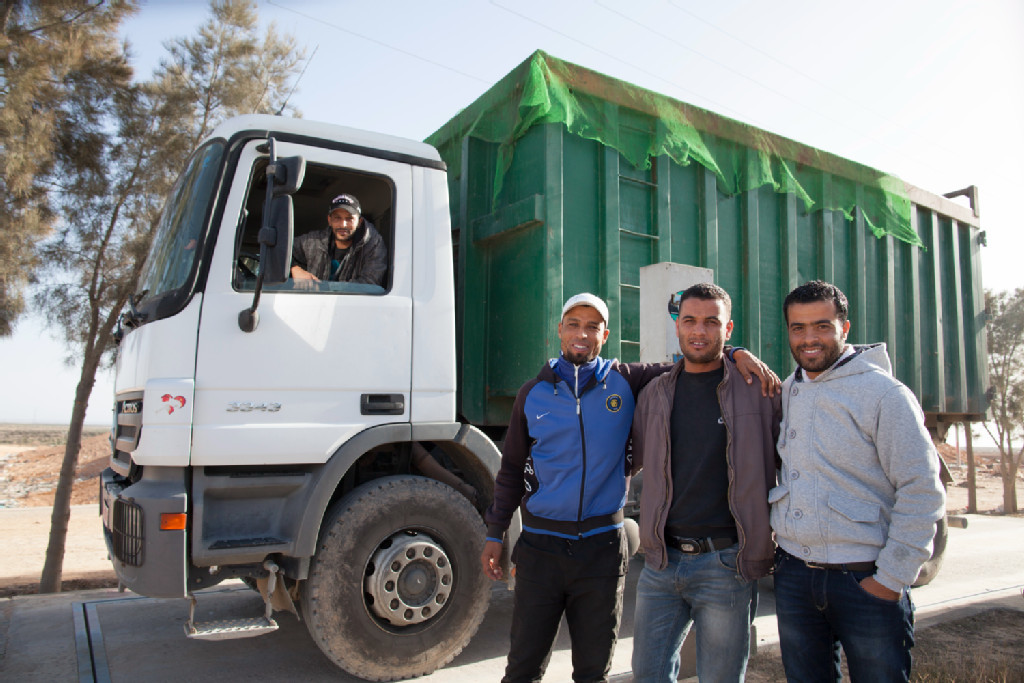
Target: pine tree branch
[61, 22]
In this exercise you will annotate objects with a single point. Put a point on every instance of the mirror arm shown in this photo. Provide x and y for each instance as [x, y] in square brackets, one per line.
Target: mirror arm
[248, 318]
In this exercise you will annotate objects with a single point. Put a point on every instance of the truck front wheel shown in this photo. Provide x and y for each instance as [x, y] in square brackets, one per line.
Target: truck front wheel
[394, 589]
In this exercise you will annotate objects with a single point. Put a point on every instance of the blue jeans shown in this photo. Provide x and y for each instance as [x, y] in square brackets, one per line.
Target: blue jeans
[705, 590]
[820, 609]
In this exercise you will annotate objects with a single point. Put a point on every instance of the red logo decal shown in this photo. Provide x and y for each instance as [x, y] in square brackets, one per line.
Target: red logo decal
[171, 403]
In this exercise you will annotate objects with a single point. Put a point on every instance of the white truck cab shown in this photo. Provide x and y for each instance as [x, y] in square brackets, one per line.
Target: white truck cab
[303, 436]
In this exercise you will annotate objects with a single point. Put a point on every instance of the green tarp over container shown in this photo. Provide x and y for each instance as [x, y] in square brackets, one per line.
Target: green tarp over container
[564, 180]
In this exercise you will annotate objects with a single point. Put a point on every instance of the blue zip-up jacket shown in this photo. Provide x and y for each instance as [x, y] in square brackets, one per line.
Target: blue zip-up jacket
[564, 459]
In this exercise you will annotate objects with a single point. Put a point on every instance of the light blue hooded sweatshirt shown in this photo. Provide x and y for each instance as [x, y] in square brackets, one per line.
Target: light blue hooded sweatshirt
[860, 477]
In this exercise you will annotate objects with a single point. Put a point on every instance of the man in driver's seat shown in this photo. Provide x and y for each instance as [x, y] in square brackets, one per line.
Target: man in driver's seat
[349, 250]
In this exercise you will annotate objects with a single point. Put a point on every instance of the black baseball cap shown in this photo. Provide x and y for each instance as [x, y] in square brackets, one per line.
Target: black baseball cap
[347, 202]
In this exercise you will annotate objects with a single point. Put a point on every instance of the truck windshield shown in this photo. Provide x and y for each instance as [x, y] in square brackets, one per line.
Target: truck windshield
[177, 237]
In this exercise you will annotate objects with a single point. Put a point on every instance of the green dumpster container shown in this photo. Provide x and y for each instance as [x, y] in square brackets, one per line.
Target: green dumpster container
[565, 180]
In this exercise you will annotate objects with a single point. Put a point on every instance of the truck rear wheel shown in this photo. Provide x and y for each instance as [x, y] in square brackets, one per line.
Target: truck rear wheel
[930, 568]
[394, 589]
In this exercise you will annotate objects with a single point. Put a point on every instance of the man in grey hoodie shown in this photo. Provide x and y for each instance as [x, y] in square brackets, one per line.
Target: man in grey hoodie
[858, 498]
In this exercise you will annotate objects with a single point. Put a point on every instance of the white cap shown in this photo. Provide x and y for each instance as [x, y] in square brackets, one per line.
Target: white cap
[587, 299]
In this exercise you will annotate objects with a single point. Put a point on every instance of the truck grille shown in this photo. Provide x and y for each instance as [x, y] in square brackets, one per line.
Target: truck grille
[127, 533]
[128, 426]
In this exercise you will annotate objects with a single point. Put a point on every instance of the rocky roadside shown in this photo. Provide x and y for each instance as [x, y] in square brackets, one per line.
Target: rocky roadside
[28, 474]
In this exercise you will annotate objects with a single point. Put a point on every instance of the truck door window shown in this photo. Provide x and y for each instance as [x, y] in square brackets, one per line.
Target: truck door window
[355, 270]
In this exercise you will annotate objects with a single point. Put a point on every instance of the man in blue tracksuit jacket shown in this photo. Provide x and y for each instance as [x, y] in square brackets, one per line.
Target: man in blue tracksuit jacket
[564, 463]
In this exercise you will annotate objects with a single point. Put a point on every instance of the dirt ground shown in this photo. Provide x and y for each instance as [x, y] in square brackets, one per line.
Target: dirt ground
[30, 461]
[31, 456]
[988, 480]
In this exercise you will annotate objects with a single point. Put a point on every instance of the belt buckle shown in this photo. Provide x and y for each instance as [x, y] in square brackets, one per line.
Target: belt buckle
[815, 565]
[688, 546]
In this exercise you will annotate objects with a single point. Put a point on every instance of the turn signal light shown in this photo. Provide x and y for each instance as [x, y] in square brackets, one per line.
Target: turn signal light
[173, 521]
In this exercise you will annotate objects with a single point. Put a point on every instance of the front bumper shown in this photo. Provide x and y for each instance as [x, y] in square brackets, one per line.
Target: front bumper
[148, 560]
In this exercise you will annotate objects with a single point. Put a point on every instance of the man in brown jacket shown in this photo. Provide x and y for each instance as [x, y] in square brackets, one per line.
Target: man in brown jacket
[707, 443]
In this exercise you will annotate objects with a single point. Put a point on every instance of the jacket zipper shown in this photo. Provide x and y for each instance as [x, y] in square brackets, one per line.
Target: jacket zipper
[659, 531]
[583, 449]
[732, 472]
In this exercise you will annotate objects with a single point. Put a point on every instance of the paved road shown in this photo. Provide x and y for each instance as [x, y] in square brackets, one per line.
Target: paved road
[103, 635]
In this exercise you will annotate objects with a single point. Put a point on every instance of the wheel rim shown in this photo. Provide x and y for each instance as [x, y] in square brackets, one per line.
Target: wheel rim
[409, 579]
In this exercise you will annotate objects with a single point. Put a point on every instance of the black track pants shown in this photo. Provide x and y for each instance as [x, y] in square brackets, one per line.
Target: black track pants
[582, 578]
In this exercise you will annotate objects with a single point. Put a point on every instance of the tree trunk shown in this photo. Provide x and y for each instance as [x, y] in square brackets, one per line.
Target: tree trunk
[972, 478]
[1009, 487]
[53, 567]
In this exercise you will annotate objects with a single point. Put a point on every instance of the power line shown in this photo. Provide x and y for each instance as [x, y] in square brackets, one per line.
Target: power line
[835, 91]
[722, 65]
[721, 105]
[778, 61]
[379, 42]
[297, 80]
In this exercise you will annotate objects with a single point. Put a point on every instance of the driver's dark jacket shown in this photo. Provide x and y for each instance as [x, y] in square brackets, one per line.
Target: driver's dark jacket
[366, 260]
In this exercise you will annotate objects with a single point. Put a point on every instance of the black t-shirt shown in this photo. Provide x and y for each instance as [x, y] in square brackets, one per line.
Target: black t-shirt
[700, 472]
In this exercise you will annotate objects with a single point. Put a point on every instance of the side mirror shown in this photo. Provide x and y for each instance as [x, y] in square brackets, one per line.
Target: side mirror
[276, 241]
[288, 174]
[284, 178]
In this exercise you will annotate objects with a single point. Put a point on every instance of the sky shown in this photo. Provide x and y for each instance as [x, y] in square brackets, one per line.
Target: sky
[931, 91]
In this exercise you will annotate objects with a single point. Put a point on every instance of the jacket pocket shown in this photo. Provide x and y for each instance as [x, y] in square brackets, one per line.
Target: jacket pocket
[777, 494]
[855, 521]
[778, 506]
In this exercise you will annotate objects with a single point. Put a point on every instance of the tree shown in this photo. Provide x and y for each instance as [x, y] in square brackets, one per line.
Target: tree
[1005, 313]
[47, 50]
[141, 137]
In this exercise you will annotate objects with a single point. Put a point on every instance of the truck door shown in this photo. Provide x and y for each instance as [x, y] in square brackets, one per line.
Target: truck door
[326, 360]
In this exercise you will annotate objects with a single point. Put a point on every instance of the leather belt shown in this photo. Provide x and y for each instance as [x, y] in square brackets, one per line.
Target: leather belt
[696, 546]
[848, 567]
